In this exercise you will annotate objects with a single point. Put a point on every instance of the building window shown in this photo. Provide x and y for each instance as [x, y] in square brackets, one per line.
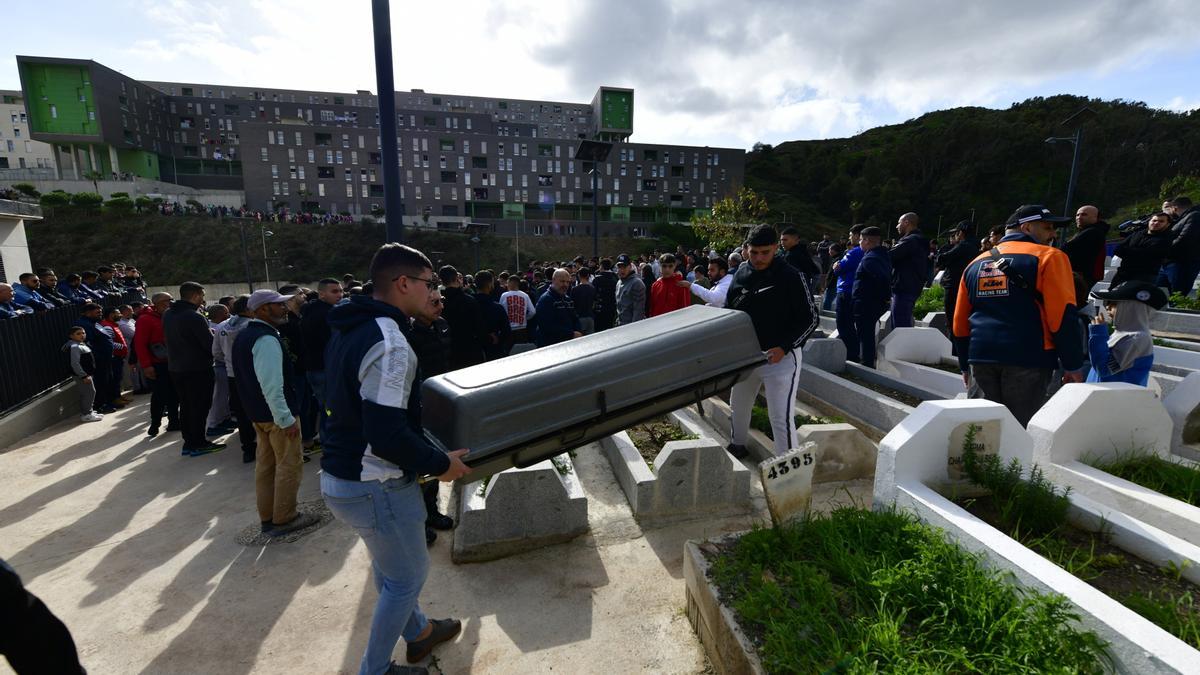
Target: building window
[264, 152]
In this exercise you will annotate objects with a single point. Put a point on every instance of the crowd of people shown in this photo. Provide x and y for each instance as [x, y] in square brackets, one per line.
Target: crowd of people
[337, 370]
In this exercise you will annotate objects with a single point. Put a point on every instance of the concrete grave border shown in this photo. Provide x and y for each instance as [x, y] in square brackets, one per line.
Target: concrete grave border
[650, 498]
[553, 514]
[1184, 400]
[914, 456]
[727, 646]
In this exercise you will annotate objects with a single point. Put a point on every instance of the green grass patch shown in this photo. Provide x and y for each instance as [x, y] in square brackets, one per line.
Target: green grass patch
[864, 591]
[1033, 512]
[1169, 478]
[761, 420]
[1184, 302]
[932, 299]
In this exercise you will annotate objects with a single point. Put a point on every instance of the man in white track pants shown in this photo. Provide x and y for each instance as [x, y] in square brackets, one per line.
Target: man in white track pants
[778, 301]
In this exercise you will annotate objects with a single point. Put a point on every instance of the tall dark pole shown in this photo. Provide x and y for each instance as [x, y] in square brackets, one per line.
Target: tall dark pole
[381, 18]
[595, 212]
[1074, 171]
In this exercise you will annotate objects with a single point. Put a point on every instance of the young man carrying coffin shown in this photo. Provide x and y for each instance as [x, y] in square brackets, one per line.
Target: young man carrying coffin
[375, 449]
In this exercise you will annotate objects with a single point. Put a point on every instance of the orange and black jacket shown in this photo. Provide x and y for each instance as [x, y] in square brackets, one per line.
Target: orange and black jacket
[1001, 320]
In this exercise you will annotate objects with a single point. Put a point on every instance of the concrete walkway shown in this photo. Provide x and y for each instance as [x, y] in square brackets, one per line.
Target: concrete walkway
[133, 547]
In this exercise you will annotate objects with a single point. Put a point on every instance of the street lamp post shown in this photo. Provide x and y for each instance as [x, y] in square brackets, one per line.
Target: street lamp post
[245, 253]
[385, 80]
[594, 152]
[1075, 140]
[266, 266]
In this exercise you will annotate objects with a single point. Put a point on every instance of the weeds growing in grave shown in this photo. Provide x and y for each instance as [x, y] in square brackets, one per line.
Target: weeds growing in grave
[878, 591]
[650, 437]
[1032, 504]
[1173, 479]
[1034, 512]
[761, 420]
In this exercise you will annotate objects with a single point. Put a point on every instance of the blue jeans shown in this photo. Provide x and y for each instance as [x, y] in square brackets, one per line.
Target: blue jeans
[390, 518]
[902, 310]
[1181, 276]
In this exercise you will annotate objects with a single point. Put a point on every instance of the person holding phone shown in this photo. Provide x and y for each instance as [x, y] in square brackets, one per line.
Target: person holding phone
[1127, 354]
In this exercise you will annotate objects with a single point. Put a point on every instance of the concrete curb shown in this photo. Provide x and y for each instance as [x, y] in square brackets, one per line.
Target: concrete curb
[729, 649]
[48, 409]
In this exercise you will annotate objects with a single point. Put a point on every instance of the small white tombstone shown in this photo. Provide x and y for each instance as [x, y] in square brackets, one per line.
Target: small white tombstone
[787, 482]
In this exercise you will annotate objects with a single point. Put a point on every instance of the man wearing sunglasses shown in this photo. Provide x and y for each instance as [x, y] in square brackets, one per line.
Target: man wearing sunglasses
[375, 449]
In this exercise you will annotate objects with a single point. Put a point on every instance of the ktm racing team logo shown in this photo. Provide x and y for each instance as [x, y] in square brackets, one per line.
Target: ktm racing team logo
[992, 282]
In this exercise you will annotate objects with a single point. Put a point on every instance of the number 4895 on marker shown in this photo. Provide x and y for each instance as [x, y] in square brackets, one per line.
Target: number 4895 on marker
[782, 468]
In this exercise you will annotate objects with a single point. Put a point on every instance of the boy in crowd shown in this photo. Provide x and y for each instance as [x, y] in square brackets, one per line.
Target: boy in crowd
[83, 365]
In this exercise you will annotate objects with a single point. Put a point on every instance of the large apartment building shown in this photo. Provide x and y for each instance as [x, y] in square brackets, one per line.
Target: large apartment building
[18, 148]
[461, 157]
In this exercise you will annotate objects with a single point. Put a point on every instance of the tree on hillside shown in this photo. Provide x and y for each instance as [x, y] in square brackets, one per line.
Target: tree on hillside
[724, 227]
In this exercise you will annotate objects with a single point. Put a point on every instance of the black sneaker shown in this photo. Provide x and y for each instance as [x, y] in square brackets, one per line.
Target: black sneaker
[208, 449]
[439, 521]
[152, 432]
[738, 451]
[430, 536]
[301, 521]
[443, 630]
[267, 526]
[172, 426]
[248, 459]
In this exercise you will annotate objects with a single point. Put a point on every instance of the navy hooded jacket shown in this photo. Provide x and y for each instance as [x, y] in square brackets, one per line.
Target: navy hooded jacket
[373, 396]
[100, 342]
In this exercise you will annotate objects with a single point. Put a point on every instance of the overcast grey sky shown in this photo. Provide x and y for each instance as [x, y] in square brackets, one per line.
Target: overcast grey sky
[706, 72]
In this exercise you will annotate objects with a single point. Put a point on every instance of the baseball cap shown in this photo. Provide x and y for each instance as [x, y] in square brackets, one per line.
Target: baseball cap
[1141, 291]
[964, 226]
[1033, 212]
[265, 297]
[623, 259]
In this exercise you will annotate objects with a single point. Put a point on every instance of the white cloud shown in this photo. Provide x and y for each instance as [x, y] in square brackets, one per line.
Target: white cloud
[1179, 104]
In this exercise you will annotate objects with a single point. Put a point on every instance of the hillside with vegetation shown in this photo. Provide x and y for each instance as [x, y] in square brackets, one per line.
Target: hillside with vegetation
[171, 249]
[947, 163]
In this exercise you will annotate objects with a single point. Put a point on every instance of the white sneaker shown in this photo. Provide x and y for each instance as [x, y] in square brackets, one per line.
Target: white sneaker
[91, 417]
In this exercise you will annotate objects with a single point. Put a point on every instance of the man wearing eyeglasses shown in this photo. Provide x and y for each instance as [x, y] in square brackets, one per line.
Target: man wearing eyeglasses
[375, 449]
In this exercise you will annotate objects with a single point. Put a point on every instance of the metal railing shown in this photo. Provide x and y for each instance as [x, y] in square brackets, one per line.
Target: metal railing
[28, 174]
[31, 358]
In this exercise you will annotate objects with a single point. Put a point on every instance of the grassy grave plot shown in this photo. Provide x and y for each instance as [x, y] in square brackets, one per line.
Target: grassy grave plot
[761, 420]
[864, 591]
[650, 437]
[1033, 512]
[1172, 479]
[907, 399]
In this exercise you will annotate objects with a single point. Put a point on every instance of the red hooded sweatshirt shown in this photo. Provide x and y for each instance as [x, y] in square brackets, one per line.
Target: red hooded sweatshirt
[667, 296]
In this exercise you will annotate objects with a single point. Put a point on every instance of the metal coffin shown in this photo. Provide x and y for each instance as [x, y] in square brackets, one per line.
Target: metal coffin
[520, 410]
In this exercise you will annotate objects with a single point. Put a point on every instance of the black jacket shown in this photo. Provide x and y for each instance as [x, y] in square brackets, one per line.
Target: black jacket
[314, 333]
[1085, 250]
[1142, 255]
[910, 264]
[293, 342]
[954, 260]
[872, 292]
[798, 257]
[495, 325]
[432, 345]
[1186, 246]
[605, 307]
[53, 295]
[467, 331]
[189, 338]
[778, 302]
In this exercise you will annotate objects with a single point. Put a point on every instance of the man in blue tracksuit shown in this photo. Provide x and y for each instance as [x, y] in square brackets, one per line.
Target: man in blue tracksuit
[872, 291]
[910, 269]
[557, 320]
[375, 450]
[845, 269]
[102, 349]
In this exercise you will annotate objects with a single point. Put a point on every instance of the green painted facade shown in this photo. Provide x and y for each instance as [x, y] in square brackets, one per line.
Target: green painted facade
[616, 110]
[139, 162]
[60, 100]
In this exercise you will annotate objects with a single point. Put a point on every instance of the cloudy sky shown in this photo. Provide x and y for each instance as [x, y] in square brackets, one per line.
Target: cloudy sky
[706, 72]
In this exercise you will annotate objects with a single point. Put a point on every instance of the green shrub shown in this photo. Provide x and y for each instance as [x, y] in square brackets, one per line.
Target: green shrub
[118, 195]
[27, 189]
[55, 199]
[932, 299]
[86, 199]
[119, 205]
[1033, 505]
[1184, 302]
[143, 202]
